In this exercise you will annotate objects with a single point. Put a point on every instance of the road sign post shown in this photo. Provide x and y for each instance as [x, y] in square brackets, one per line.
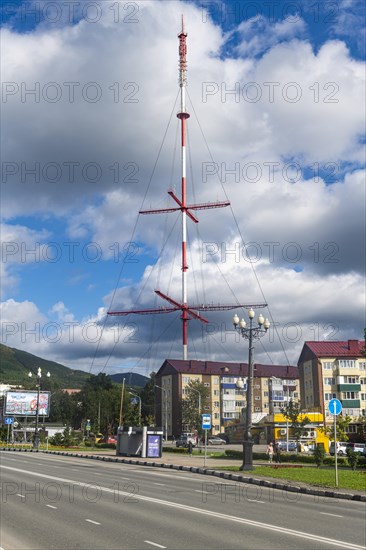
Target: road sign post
[206, 425]
[335, 408]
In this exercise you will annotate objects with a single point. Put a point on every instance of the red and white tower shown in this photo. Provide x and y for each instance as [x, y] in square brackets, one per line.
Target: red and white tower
[188, 311]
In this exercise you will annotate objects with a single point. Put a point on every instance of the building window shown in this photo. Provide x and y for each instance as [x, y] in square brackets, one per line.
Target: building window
[362, 365]
[363, 396]
[216, 392]
[186, 379]
[347, 363]
[239, 403]
[350, 395]
[296, 394]
[257, 397]
[216, 381]
[265, 394]
[351, 429]
[363, 381]
[328, 365]
[207, 408]
[207, 384]
[257, 409]
[216, 416]
[329, 396]
[329, 381]
[265, 405]
[351, 379]
[216, 403]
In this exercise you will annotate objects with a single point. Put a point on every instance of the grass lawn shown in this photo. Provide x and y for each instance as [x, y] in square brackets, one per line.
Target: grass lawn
[320, 477]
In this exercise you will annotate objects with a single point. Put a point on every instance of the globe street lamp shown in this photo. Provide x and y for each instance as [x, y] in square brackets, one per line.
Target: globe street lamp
[38, 378]
[250, 333]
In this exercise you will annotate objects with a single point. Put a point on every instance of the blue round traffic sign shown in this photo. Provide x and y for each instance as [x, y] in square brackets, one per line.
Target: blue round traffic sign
[335, 406]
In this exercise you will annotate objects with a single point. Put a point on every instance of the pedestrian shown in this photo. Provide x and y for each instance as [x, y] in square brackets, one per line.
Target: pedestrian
[277, 452]
[190, 448]
[270, 452]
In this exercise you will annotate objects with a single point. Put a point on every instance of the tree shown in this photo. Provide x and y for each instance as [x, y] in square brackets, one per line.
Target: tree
[342, 423]
[319, 455]
[292, 412]
[148, 401]
[361, 428]
[195, 392]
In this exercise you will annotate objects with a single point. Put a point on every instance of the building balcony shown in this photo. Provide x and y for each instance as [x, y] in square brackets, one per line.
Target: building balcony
[349, 387]
[351, 403]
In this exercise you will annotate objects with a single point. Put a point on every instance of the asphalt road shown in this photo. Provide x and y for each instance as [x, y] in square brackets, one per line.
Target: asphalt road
[54, 502]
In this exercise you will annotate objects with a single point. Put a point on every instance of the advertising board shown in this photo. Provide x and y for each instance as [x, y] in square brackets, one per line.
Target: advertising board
[24, 403]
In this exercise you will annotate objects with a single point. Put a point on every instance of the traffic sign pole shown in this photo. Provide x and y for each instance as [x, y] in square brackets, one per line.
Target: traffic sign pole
[335, 408]
[335, 449]
[206, 425]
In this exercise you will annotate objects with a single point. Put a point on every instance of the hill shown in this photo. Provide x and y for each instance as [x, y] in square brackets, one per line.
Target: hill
[131, 379]
[15, 365]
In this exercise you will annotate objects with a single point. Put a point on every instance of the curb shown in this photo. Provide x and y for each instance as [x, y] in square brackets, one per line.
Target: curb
[208, 471]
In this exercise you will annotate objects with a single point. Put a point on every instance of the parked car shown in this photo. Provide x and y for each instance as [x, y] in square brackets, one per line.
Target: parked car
[184, 439]
[109, 439]
[216, 441]
[341, 448]
[359, 448]
[290, 447]
[224, 437]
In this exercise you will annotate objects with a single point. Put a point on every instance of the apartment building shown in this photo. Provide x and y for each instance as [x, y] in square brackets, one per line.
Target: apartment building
[273, 386]
[334, 370]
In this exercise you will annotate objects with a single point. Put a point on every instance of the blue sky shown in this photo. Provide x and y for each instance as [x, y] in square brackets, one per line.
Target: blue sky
[276, 96]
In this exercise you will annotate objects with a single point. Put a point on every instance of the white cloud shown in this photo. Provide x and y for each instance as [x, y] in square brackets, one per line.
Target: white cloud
[68, 144]
[259, 34]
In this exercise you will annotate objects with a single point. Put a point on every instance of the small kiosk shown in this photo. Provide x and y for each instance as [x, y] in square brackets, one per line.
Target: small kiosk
[145, 442]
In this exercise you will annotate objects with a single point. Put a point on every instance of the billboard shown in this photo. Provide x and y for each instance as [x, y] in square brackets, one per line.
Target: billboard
[24, 403]
[153, 446]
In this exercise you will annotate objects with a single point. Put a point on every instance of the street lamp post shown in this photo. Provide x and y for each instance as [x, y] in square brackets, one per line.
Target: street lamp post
[140, 406]
[250, 333]
[38, 378]
[166, 410]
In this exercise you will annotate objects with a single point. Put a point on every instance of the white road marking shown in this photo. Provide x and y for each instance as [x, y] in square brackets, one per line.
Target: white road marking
[50, 506]
[156, 483]
[19, 495]
[334, 515]
[91, 521]
[203, 512]
[212, 494]
[154, 544]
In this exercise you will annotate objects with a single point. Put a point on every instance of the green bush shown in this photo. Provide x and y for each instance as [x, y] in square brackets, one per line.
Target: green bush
[352, 458]
[105, 445]
[176, 450]
[319, 455]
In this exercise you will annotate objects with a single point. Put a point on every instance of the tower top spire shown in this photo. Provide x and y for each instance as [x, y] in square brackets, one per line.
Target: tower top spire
[182, 56]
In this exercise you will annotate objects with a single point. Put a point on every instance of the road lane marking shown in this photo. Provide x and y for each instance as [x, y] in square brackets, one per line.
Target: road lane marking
[50, 506]
[195, 510]
[154, 544]
[156, 483]
[19, 495]
[91, 521]
[334, 515]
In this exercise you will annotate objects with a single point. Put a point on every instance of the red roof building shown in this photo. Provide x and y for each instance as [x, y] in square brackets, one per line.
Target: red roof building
[273, 386]
[334, 370]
